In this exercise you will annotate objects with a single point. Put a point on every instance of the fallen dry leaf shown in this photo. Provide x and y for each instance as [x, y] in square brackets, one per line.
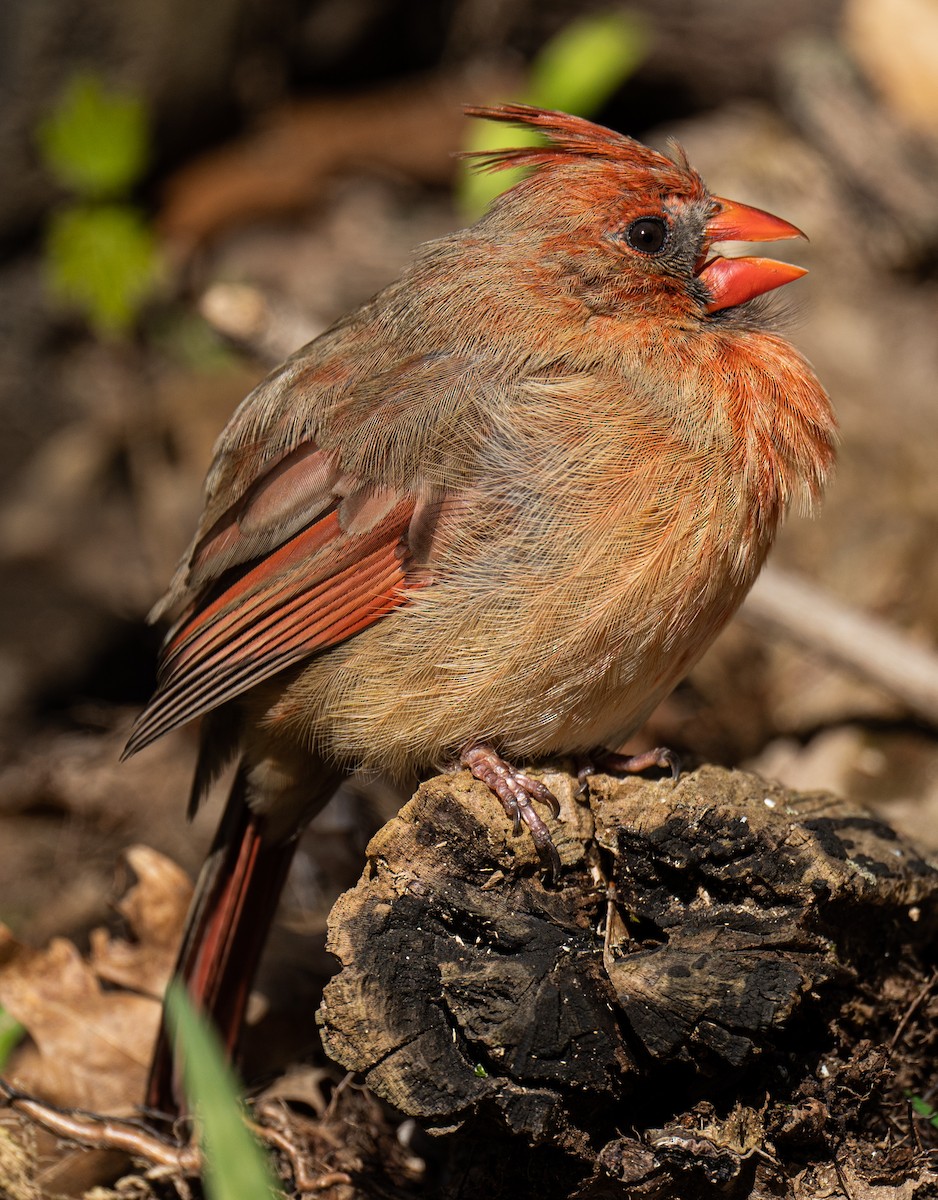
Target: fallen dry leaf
[16, 1168]
[896, 42]
[89, 1046]
[92, 1022]
[410, 128]
[155, 910]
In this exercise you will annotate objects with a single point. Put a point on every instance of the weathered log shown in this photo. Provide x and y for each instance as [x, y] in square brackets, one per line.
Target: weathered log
[705, 942]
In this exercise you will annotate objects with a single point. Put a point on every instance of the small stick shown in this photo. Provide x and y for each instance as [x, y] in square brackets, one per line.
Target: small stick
[103, 1133]
[808, 614]
[907, 1015]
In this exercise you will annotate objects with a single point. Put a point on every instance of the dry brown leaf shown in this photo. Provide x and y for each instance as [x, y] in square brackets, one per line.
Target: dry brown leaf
[279, 168]
[16, 1166]
[90, 1041]
[896, 42]
[155, 910]
[89, 1046]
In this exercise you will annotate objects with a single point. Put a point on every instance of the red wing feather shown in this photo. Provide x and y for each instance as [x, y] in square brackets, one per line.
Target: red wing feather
[319, 588]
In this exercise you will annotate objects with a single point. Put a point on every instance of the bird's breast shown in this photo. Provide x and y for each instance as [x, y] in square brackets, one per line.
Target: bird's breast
[611, 523]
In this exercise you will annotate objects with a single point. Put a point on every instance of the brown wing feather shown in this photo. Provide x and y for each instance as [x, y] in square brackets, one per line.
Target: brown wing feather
[299, 546]
[322, 586]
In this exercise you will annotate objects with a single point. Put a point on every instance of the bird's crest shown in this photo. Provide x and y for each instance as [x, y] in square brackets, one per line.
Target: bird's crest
[568, 137]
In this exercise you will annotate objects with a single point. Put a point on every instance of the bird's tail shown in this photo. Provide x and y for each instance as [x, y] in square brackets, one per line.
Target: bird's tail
[231, 913]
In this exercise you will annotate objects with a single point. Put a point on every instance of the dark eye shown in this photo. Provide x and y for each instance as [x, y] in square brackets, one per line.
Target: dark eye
[647, 234]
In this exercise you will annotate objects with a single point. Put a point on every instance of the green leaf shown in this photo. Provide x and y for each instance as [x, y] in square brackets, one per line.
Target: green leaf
[923, 1109]
[95, 141]
[11, 1034]
[576, 72]
[103, 260]
[581, 67]
[235, 1167]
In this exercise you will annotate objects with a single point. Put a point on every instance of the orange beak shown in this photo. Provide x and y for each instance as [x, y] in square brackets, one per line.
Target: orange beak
[733, 281]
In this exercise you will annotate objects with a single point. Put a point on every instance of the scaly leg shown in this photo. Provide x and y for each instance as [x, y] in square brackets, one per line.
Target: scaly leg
[629, 764]
[517, 792]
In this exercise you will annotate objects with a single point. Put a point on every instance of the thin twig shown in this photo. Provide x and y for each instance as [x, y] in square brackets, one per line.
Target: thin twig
[808, 614]
[909, 1012]
[913, 1127]
[97, 1132]
[840, 1175]
[104, 1133]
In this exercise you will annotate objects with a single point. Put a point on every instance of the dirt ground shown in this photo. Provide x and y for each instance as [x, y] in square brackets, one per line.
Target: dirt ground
[824, 114]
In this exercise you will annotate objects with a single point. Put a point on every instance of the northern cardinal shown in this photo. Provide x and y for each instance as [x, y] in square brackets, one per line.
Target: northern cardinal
[494, 514]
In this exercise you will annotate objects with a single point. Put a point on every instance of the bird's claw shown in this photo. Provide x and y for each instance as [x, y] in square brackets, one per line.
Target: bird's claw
[517, 793]
[629, 764]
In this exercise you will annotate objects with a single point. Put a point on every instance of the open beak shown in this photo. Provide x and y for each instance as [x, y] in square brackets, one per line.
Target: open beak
[732, 281]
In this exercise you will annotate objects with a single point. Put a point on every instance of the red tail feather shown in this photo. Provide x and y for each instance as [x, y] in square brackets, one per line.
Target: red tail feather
[236, 898]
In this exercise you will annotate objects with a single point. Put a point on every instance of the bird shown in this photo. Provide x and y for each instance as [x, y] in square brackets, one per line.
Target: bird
[493, 515]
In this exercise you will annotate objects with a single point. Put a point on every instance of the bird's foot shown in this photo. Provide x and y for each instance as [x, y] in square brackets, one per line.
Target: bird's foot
[517, 793]
[629, 764]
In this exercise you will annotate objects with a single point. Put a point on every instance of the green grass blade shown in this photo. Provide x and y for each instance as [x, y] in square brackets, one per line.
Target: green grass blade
[11, 1034]
[235, 1167]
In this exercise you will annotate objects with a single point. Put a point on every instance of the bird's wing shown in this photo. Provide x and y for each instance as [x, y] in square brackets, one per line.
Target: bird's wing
[335, 577]
[343, 410]
[319, 545]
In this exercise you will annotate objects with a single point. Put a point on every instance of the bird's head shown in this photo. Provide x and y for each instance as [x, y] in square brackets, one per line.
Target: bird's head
[626, 220]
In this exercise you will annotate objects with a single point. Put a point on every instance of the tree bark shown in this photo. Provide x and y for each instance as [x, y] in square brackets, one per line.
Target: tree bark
[701, 1003]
